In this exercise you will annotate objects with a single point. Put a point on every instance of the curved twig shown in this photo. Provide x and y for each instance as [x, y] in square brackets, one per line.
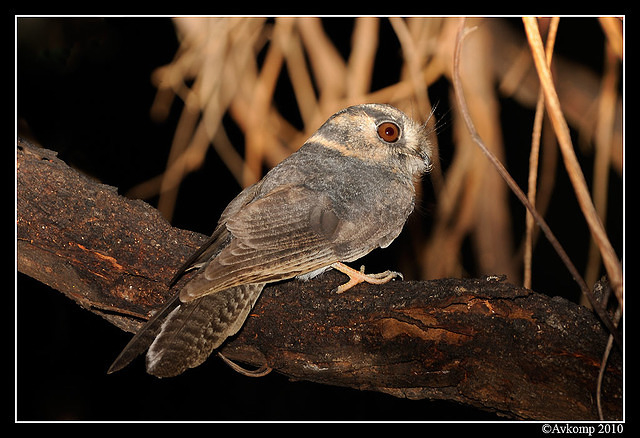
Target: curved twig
[552, 103]
[457, 85]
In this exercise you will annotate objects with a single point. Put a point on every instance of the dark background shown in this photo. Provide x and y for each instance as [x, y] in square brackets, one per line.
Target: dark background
[84, 90]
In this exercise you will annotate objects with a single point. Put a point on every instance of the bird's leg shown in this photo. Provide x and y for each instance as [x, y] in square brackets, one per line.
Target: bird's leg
[357, 277]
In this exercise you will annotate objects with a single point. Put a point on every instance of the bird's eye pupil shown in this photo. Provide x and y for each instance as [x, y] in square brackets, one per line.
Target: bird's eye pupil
[389, 132]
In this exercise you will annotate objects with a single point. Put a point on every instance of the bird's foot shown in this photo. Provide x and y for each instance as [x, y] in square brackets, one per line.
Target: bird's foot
[357, 277]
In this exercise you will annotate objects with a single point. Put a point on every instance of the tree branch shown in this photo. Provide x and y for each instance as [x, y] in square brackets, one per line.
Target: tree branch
[483, 342]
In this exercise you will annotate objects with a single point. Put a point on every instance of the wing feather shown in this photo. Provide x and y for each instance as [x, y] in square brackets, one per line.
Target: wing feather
[273, 239]
[290, 231]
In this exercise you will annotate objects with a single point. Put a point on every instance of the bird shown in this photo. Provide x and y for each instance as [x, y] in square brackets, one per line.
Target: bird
[346, 191]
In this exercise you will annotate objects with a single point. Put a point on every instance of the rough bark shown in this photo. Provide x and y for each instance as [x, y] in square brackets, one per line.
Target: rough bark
[481, 342]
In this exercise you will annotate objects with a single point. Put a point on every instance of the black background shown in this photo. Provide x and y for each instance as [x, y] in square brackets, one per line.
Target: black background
[84, 90]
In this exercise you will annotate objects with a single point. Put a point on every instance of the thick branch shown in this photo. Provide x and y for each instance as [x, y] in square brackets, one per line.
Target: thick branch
[483, 343]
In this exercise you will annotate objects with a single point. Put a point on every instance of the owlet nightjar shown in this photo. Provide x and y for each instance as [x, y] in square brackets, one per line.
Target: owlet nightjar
[347, 191]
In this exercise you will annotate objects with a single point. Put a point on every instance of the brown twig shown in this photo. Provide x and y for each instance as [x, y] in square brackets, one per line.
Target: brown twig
[552, 103]
[602, 159]
[517, 191]
[533, 158]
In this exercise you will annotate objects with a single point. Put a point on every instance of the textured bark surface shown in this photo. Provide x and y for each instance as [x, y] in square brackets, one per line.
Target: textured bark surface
[110, 254]
[481, 342]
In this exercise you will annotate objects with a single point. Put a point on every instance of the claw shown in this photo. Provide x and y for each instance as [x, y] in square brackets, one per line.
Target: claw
[357, 277]
[260, 372]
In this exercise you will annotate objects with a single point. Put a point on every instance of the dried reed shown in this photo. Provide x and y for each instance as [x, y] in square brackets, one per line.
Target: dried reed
[232, 66]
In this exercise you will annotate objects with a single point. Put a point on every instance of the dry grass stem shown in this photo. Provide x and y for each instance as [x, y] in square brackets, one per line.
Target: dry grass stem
[602, 159]
[228, 74]
[610, 259]
[534, 157]
[461, 99]
[612, 27]
[364, 44]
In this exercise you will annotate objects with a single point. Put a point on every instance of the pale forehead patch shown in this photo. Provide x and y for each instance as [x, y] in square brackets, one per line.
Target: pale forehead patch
[373, 153]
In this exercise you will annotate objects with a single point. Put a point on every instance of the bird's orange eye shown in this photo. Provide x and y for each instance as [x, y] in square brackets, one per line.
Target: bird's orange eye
[389, 132]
